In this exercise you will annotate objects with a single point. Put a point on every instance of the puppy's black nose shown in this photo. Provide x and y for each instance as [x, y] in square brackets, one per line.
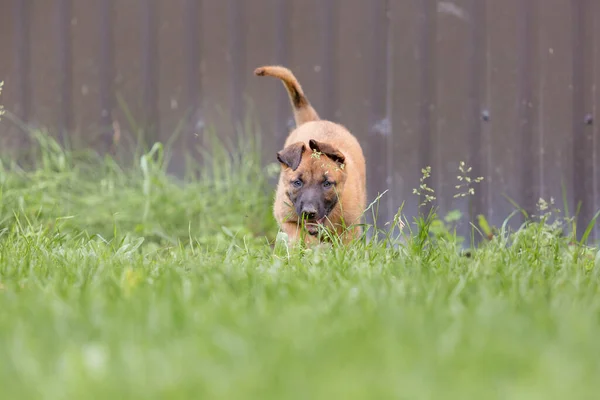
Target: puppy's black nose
[309, 213]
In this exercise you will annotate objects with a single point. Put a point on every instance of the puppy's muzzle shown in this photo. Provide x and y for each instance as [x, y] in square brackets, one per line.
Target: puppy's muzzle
[312, 219]
[309, 213]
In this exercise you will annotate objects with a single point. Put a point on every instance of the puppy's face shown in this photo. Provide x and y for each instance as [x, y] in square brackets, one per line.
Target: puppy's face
[314, 177]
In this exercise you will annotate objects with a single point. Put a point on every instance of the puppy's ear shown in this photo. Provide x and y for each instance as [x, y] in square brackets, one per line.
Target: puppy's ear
[328, 150]
[291, 155]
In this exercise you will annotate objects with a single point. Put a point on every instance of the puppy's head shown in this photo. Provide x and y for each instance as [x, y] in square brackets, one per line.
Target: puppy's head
[314, 177]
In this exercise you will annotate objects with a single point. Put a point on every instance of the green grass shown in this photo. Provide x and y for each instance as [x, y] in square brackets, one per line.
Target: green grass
[125, 283]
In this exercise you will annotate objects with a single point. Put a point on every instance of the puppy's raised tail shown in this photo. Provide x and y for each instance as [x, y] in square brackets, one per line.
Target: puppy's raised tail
[303, 111]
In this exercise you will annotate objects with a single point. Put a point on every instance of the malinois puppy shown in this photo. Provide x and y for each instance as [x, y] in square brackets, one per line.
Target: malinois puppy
[323, 175]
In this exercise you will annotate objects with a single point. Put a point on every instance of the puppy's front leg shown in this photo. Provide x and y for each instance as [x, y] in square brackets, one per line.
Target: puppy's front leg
[292, 230]
[296, 234]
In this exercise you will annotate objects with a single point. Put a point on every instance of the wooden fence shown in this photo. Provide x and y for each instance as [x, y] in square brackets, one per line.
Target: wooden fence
[508, 86]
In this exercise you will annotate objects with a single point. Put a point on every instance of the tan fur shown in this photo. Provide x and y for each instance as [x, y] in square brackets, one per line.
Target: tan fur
[303, 111]
[350, 177]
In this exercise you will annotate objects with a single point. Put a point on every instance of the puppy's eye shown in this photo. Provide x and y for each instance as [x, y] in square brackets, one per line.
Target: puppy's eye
[327, 184]
[297, 183]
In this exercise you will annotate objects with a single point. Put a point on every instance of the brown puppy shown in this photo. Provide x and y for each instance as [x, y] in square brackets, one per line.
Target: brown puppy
[323, 175]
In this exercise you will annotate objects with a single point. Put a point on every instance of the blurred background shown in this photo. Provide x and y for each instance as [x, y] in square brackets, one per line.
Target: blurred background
[506, 86]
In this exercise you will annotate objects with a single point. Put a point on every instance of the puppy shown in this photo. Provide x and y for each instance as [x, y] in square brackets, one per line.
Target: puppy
[323, 175]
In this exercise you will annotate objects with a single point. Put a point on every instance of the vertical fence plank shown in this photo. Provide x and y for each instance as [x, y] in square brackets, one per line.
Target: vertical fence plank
[477, 114]
[594, 118]
[177, 85]
[387, 127]
[150, 73]
[306, 37]
[45, 78]
[266, 102]
[353, 73]
[405, 87]
[193, 50]
[451, 139]
[427, 83]
[283, 120]
[527, 28]
[354, 79]
[502, 92]
[379, 148]
[237, 54]
[106, 70]
[216, 67]
[583, 144]
[329, 27]
[22, 18]
[65, 66]
[486, 82]
[554, 107]
[128, 89]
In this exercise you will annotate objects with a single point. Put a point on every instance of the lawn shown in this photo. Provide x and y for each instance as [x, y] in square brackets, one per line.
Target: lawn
[124, 283]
